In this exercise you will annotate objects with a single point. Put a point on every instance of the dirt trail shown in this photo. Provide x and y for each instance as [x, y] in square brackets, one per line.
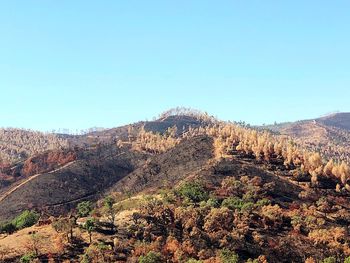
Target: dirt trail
[10, 191]
[72, 201]
[17, 186]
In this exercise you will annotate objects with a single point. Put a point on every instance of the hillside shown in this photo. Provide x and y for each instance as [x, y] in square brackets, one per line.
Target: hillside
[329, 135]
[161, 125]
[55, 180]
[170, 167]
[18, 144]
[337, 120]
[61, 189]
[183, 188]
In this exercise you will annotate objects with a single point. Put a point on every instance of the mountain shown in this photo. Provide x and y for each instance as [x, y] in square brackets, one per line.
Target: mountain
[329, 135]
[182, 122]
[18, 144]
[56, 180]
[182, 188]
[337, 120]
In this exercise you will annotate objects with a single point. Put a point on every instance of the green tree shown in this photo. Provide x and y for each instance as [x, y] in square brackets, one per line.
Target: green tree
[233, 203]
[228, 256]
[329, 260]
[26, 219]
[213, 202]
[90, 226]
[110, 210]
[27, 258]
[151, 257]
[194, 191]
[84, 208]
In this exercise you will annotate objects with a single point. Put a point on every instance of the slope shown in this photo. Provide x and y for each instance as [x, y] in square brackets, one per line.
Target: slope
[58, 191]
[337, 120]
[170, 167]
[328, 135]
[18, 144]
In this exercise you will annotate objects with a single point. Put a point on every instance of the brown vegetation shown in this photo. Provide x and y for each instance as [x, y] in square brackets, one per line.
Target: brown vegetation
[17, 144]
[218, 192]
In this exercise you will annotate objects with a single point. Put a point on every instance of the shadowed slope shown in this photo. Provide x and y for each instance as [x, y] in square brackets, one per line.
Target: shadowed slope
[58, 191]
[170, 167]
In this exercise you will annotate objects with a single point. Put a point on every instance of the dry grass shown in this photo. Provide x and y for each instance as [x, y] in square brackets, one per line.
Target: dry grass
[17, 243]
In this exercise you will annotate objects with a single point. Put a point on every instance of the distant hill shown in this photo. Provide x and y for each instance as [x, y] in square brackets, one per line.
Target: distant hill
[329, 135]
[18, 144]
[337, 120]
[182, 122]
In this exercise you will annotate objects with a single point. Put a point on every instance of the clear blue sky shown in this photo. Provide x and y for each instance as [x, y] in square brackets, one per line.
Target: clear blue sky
[78, 64]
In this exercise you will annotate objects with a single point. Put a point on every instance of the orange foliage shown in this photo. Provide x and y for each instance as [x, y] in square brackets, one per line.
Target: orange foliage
[47, 162]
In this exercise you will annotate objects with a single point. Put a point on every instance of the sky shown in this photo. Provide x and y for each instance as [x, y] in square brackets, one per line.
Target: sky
[80, 64]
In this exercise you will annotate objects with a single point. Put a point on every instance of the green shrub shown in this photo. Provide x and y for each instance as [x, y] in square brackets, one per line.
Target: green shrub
[84, 208]
[194, 261]
[329, 260]
[243, 205]
[262, 202]
[250, 196]
[347, 260]
[233, 203]
[193, 191]
[90, 226]
[151, 257]
[228, 256]
[26, 219]
[213, 202]
[247, 207]
[27, 258]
